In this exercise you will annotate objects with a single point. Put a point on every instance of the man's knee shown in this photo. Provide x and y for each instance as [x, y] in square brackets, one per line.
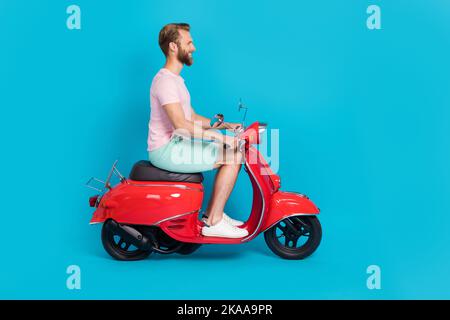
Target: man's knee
[235, 157]
[231, 157]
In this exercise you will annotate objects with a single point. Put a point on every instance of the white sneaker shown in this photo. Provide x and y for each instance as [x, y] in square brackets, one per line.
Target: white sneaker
[228, 219]
[224, 229]
[232, 221]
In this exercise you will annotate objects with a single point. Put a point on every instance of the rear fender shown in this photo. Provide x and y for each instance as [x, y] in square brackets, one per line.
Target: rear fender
[148, 203]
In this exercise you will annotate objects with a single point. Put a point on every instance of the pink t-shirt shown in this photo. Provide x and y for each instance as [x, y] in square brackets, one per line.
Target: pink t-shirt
[167, 87]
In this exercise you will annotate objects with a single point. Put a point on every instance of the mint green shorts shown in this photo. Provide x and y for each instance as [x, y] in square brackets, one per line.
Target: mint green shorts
[186, 155]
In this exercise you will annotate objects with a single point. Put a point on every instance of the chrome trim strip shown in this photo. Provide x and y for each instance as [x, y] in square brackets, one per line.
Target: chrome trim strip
[174, 217]
[293, 215]
[263, 206]
[179, 186]
[297, 193]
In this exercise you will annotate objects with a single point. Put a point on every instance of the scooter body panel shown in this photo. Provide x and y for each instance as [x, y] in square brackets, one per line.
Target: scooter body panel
[148, 203]
[188, 228]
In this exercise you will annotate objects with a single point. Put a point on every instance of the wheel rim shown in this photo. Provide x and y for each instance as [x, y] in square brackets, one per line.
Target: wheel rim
[122, 246]
[293, 233]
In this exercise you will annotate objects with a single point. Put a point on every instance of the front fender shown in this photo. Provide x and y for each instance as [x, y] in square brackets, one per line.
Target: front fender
[287, 204]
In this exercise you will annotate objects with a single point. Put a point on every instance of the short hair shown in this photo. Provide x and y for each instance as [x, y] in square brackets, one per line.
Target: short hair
[169, 33]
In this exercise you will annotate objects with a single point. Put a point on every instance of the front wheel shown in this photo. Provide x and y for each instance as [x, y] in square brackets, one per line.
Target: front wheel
[294, 237]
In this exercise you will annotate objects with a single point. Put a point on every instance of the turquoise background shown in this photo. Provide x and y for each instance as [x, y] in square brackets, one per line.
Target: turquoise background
[364, 126]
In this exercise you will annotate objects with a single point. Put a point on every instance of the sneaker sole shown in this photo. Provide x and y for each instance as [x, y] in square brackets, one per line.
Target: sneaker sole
[222, 236]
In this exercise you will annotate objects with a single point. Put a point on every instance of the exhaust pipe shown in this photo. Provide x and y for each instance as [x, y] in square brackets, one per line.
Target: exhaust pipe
[129, 234]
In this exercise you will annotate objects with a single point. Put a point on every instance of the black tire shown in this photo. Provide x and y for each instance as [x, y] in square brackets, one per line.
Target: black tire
[292, 230]
[169, 243]
[166, 242]
[188, 248]
[119, 249]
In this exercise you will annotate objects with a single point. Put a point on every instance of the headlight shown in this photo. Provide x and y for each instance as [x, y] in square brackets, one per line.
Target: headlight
[262, 127]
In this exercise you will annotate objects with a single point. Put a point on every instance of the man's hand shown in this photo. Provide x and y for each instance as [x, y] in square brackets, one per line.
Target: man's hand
[218, 125]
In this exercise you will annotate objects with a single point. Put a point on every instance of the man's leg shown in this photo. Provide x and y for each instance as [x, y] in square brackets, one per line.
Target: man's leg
[223, 185]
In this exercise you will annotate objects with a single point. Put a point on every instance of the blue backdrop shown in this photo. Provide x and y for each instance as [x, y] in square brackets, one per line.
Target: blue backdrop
[364, 131]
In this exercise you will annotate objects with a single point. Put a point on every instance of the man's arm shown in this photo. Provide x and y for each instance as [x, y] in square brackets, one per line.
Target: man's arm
[176, 115]
[205, 122]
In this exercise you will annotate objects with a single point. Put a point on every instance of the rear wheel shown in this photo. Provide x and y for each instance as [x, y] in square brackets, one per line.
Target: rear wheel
[294, 237]
[119, 249]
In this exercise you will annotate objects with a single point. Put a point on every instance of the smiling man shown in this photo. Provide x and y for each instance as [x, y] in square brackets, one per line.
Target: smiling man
[181, 140]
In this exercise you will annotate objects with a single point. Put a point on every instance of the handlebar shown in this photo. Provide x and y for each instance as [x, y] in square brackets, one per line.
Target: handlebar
[241, 142]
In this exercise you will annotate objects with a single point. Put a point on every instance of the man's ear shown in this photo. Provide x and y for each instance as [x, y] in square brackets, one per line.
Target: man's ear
[173, 46]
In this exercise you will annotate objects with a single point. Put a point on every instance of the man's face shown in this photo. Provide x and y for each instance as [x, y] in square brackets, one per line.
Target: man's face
[185, 48]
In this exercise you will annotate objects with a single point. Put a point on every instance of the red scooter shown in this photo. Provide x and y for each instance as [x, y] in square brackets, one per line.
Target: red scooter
[158, 211]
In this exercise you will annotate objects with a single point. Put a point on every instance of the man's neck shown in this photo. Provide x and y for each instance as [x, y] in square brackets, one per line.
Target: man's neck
[174, 65]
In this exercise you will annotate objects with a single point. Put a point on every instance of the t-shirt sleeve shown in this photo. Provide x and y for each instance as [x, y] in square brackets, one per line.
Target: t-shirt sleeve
[166, 91]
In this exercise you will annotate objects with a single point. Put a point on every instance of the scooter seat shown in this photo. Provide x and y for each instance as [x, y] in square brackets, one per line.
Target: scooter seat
[144, 171]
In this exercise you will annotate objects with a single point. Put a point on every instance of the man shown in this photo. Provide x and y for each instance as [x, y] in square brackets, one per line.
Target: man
[182, 141]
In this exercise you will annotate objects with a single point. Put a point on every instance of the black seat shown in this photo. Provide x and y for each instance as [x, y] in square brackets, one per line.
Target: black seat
[144, 171]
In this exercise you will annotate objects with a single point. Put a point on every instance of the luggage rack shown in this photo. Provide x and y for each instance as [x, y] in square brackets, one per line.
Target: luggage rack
[102, 186]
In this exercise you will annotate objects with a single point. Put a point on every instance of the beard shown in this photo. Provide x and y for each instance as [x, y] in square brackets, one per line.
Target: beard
[184, 57]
